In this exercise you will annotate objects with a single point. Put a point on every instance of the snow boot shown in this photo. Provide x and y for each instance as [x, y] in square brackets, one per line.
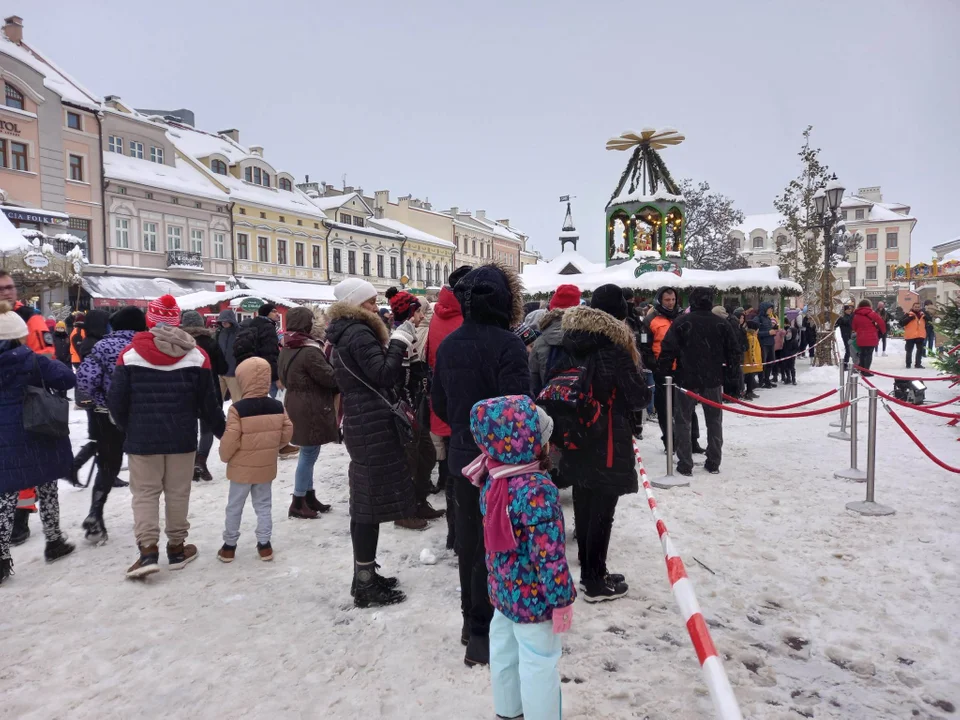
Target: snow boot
[603, 591]
[96, 531]
[300, 509]
[288, 451]
[265, 551]
[57, 549]
[146, 564]
[311, 500]
[369, 592]
[201, 463]
[179, 555]
[478, 651]
[697, 449]
[21, 527]
[118, 483]
[426, 511]
[6, 569]
[387, 583]
[227, 553]
[414, 523]
[197, 474]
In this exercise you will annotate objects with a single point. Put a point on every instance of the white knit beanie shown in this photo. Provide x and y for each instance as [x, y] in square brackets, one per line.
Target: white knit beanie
[12, 326]
[545, 423]
[354, 291]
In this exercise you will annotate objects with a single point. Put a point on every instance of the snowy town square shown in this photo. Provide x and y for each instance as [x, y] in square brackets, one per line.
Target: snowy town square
[518, 361]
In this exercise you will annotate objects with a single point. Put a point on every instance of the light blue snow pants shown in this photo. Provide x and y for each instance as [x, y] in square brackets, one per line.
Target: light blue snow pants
[523, 669]
[260, 496]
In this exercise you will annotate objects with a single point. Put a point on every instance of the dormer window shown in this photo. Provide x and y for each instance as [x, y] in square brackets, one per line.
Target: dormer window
[256, 176]
[14, 97]
[219, 167]
[285, 184]
[758, 243]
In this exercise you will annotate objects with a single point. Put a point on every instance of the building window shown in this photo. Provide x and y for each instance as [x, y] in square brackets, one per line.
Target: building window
[758, 243]
[121, 236]
[860, 217]
[3, 153]
[409, 270]
[393, 268]
[243, 211]
[379, 265]
[219, 208]
[219, 167]
[871, 241]
[243, 249]
[149, 195]
[891, 240]
[871, 272]
[852, 276]
[446, 274]
[781, 241]
[198, 205]
[419, 271]
[150, 236]
[300, 222]
[14, 97]
[156, 155]
[175, 200]
[429, 274]
[299, 254]
[218, 245]
[358, 221]
[136, 149]
[18, 154]
[316, 226]
[736, 243]
[196, 241]
[281, 252]
[345, 219]
[122, 190]
[115, 144]
[316, 256]
[248, 174]
[282, 218]
[263, 216]
[285, 184]
[174, 237]
[366, 264]
[266, 179]
[76, 168]
[257, 177]
[337, 265]
[352, 262]
[474, 242]
[263, 249]
[73, 121]
[844, 213]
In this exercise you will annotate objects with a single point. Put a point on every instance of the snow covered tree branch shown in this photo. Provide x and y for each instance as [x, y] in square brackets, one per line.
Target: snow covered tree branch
[710, 217]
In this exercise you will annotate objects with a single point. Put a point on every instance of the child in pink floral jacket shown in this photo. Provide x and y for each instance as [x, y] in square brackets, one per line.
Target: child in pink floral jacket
[528, 578]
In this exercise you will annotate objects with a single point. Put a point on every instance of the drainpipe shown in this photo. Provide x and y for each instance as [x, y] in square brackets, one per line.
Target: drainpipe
[103, 192]
[403, 244]
[233, 249]
[326, 242]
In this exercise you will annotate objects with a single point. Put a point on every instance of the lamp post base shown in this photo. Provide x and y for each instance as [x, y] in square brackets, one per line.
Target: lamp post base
[870, 509]
[840, 435]
[668, 482]
[851, 474]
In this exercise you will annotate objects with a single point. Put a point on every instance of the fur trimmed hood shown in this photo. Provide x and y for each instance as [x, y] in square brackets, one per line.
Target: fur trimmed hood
[341, 311]
[587, 321]
[491, 294]
[550, 318]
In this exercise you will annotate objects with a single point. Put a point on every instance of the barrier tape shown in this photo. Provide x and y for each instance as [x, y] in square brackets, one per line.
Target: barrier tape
[916, 440]
[791, 357]
[780, 407]
[808, 413]
[724, 701]
[921, 408]
[902, 377]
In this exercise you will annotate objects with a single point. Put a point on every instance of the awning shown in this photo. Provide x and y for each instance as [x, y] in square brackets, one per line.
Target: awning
[114, 290]
[35, 215]
[298, 291]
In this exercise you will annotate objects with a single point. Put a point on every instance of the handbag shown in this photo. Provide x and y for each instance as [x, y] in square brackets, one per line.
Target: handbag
[45, 413]
[404, 419]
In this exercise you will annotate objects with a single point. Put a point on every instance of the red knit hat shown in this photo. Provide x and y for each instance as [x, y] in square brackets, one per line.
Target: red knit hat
[402, 303]
[566, 296]
[163, 310]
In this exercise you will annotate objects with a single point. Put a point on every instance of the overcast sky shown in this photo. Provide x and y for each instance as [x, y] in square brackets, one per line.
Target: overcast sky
[505, 105]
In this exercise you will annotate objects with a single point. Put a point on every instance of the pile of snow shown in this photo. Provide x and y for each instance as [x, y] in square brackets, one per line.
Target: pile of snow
[11, 239]
[212, 298]
[181, 178]
[297, 291]
[411, 232]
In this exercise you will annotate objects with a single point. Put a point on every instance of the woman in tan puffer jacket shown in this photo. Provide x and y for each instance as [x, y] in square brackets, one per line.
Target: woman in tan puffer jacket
[257, 427]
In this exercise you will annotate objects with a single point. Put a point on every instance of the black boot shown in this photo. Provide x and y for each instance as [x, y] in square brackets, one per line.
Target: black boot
[311, 500]
[96, 531]
[201, 464]
[385, 582]
[6, 569]
[117, 482]
[21, 527]
[57, 549]
[478, 651]
[369, 591]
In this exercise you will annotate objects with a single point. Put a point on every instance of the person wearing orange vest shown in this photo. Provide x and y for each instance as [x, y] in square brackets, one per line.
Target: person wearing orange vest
[915, 333]
[76, 337]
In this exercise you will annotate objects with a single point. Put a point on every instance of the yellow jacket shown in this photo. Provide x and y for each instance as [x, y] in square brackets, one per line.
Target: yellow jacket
[752, 358]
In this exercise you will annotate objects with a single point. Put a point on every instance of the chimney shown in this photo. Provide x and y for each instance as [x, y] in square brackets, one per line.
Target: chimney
[232, 133]
[13, 29]
[454, 211]
[872, 194]
[347, 189]
[306, 178]
[481, 214]
[505, 223]
[381, 200]
[113, 101]
[256, 150]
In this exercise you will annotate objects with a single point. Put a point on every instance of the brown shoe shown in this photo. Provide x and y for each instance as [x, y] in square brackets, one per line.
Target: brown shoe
[412, 524]
[426, 511]
[288, 451]
[265, 551]
[227, 553]
[300, 509]
[146, 564]
[180, 555]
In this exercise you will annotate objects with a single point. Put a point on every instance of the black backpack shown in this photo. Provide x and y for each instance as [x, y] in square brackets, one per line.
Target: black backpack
[577, 415]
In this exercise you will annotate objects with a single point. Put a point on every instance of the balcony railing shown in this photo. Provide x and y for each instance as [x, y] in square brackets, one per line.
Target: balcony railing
[184, 259]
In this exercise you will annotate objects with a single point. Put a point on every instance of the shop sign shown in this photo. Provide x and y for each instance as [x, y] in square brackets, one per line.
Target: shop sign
[10, 127]
[251, 304]
[33, 217]
[35, 260]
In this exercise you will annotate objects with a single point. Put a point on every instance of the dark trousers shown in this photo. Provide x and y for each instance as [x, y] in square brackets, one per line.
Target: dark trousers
[365, 538]
[777, 367]
[788, 370]
[931, 338]
[474, 598]
[866, 357]
[767, 356]
[883, 341]
[685, 405]
[109, 458]
[751, 381]
[918, 344]
[593, 512]
[846, 351]
[660, 403]
[421, 457]
[206, 440]
[450, 493]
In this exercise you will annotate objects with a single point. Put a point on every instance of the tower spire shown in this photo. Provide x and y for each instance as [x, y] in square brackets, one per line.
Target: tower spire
[568, 234]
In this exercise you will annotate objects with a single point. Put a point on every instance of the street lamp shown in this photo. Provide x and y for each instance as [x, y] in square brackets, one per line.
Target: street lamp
[825, 200]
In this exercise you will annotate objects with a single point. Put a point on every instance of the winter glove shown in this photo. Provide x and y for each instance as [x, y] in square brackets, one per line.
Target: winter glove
[562, 619]
[406, 333]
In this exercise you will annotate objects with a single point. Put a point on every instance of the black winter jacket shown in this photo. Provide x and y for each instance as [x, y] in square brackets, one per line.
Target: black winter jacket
[481, 359]
[739, 333]
[703, 345]
[162, 385]
[845, 323]
[258, 338]
[381, 488]
[593, 336]
[208, 343]
[96, 327]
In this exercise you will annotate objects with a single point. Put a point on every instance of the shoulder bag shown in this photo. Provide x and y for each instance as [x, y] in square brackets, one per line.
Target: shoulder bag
[404, 419]
[44, 412]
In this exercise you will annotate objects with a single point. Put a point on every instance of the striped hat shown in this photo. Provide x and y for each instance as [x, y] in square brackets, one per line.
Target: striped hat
[163, 310]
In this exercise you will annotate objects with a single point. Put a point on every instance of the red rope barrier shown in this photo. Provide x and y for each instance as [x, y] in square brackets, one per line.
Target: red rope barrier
[921, 408]
[916, 440]
[802, 352]
[780, 407]
[903, 377]
[945, 402]
[808, 413]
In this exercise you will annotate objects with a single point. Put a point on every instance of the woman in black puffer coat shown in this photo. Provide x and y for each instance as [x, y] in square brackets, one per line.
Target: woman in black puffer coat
[381, 488]
[191, 322]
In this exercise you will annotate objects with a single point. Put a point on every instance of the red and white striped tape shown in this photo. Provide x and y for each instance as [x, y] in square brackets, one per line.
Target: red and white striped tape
[724, 701]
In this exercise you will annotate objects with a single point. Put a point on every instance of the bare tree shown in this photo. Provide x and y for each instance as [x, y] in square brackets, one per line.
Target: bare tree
[710, 217]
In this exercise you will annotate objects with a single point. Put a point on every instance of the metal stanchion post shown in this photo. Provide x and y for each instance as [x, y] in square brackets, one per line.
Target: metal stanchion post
[869, 507]
[850, 392]
[852, 473]
[843, 394]
[669, 481]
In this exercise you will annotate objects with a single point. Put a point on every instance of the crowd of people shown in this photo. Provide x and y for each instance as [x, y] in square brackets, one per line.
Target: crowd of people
[507, 403]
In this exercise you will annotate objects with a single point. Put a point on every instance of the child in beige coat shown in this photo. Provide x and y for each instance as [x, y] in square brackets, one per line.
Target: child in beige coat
[257, 427]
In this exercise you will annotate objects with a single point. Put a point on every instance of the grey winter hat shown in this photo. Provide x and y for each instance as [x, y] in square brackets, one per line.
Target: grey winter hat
[191, 318]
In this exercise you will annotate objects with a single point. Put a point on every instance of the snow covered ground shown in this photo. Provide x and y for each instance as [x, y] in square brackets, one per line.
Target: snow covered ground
[817, 612]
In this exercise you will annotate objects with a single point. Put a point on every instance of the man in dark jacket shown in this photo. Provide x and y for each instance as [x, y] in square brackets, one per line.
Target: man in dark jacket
[191, 322]
[227, 330]
[96, 327]
[548, 348]
[845, 323]
[705, 350]
[258, 338]
[481, 359]
[162, 385]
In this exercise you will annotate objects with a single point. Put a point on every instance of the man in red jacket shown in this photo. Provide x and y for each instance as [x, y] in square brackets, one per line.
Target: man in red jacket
[868, 327]
[447, 317]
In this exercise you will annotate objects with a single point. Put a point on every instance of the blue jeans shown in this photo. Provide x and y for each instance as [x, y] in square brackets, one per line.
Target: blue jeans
[303, 479]
[523, 669]
[261, 497]
[648, 378]
[274, 390]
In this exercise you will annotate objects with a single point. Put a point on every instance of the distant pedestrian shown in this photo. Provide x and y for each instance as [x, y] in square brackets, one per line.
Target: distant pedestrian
[867, 326]
[191, 322]
[915, 333]
[844, 323]
[929, 311]
[886, 317]
[258, 338]
[227, 329]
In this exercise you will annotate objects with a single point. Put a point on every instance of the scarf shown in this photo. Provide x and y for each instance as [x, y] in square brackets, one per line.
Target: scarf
[498, 533]
[296, 339]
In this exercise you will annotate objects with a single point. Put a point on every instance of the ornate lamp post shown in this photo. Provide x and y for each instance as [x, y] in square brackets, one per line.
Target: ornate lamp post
[826, 203]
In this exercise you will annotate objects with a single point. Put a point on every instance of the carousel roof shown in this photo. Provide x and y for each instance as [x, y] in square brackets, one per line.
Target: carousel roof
[646, 178]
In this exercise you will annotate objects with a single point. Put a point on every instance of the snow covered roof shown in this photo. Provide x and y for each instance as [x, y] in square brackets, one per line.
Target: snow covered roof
[212, 298]
[309, 292]
[411, 232]
[768, 222]
[879, 211]
[54, 78]
[35, 211]
[335, 201]
[637, 196]
[138, 288]
[11, 239]
[497, 229]
[183, 177]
